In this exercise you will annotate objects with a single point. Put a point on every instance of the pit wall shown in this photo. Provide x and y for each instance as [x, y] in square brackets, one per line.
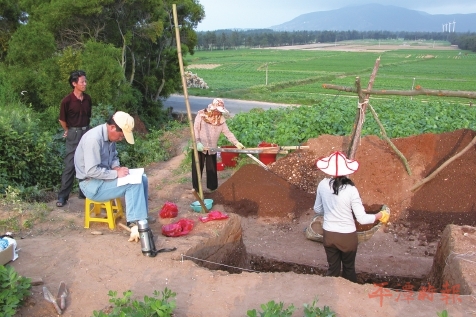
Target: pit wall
[226, 247]
[453, 264]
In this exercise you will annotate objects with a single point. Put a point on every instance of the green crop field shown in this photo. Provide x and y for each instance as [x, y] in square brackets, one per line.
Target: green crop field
[296, 76]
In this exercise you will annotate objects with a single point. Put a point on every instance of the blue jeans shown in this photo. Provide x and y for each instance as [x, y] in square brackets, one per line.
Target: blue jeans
[136, 195]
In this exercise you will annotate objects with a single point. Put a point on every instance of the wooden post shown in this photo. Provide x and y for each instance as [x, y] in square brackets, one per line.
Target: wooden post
[418, 91]
[360, 116]
[439, 169]
[187, 103]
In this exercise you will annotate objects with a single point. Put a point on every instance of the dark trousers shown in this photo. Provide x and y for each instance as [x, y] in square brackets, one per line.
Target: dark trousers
[341, 249]
[69, 172]
[210, 161]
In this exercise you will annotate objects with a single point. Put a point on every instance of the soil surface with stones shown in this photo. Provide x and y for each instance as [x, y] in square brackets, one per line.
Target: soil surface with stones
[276, 261]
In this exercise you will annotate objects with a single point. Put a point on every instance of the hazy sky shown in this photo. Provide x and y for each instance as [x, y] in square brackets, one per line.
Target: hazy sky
[242, 14]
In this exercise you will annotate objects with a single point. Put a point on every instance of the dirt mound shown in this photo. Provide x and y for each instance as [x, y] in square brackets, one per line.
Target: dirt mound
[253, 191]
[289, 187]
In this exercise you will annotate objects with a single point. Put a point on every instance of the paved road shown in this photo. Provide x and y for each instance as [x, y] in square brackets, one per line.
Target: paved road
[177, 102]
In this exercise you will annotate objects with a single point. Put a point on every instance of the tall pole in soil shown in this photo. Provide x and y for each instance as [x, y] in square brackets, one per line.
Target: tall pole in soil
[187, 103]
[360, 116]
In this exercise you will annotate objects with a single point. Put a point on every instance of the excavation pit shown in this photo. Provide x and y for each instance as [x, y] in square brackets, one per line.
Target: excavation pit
[275, 207]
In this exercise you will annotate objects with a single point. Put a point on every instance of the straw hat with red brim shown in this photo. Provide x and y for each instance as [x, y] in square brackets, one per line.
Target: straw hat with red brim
[337, 164]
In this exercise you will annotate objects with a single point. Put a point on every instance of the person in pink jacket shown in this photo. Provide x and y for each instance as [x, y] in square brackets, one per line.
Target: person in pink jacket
[209, 124]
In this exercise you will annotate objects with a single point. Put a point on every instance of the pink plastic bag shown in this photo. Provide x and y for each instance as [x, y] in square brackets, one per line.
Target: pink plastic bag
[177, 229]
[169, 210]
[213, 215]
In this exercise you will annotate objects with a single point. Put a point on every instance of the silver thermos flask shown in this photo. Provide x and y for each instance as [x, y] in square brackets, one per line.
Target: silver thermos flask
[146, 239]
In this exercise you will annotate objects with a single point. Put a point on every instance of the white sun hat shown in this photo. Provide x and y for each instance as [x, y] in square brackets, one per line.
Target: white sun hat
[337, 164]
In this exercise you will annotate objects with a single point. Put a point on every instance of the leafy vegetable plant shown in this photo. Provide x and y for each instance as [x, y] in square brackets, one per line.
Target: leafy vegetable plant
[314, 311]
[444, 313]
[272, 309]
[150, 307]
[13, 289]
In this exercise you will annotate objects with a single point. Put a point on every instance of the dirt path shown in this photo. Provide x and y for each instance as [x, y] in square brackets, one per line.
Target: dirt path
[60, 249]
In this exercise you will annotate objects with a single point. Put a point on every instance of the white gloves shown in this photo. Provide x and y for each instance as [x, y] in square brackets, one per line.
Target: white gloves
[239, 145]
[134, 234]
[199, 147]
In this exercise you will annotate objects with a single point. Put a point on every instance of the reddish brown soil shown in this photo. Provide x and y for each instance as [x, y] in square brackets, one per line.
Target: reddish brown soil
[288, 188]
[276, 206]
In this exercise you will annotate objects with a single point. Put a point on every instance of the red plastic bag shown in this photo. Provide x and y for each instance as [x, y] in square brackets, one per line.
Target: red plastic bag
[177, 229]
[213, 215]
[169, 210]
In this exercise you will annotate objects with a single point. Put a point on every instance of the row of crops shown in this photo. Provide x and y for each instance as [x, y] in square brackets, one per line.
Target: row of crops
[400, 117]
[296, 76]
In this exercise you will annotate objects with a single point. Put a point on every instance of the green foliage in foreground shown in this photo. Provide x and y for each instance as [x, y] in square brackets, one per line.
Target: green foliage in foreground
[401, 117]
[13, 290]
[164, 307]
[155, 306]
[273, 309]
[33, 147]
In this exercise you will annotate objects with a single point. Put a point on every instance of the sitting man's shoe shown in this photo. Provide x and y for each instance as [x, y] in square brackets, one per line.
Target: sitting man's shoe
[130, 224]
[149, 219]
[81, 195]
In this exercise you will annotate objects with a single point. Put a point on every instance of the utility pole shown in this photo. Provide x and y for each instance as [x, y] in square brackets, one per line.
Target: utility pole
[413, 85]
[266, 74]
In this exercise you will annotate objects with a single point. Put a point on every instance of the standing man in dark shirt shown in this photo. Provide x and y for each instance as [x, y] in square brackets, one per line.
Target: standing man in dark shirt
[75, 114]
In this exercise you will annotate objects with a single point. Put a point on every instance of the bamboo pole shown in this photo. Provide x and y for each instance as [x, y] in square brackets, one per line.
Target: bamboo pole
[187, 103]
[416, 92]
[357, 117]
[360, 116]
[439, 169]
[386, 138]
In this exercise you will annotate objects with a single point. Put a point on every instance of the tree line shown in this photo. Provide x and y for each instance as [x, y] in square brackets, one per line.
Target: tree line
[232, 39]
[127, 49]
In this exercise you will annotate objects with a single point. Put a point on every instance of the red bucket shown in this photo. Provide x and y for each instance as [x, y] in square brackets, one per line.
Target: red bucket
[220, 166]
[267, 158]
[229, 158]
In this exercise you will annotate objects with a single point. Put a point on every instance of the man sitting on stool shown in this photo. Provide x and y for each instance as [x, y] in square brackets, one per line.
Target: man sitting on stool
[98, 168]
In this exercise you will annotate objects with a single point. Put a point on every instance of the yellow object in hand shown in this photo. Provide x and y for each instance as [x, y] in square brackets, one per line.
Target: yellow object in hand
[385, 214]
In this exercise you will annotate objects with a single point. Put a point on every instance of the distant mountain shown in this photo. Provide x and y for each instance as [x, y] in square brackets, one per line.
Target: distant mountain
[378, 17]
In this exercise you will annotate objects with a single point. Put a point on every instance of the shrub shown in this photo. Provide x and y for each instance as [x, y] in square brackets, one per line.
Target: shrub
[29, 157]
